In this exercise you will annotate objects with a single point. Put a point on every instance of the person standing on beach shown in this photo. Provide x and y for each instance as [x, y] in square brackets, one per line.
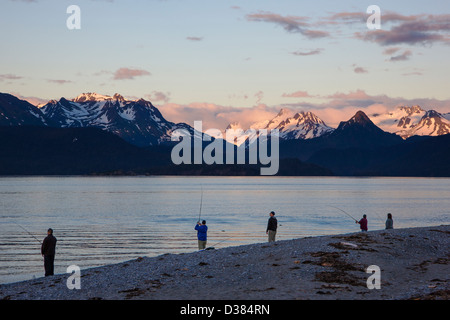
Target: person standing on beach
[389, 222]
[202, 231]
[48, 249]
[272, 224]
[363, 223]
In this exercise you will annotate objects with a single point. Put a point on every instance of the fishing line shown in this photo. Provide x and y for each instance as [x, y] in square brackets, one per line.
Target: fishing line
[345, 213]
[29, 233]
[376, 213]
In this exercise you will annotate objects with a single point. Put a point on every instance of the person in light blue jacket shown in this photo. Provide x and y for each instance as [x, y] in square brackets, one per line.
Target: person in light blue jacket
[202, 237]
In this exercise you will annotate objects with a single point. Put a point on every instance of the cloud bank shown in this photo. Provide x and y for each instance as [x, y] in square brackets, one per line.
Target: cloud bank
[339, 106]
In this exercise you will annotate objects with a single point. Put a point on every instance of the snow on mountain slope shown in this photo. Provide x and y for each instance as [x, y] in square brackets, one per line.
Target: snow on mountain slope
[291, 125]
[409, 121]
[402, 118]
[431, 124]
[303, 125]
[17, 112]
[136, 121]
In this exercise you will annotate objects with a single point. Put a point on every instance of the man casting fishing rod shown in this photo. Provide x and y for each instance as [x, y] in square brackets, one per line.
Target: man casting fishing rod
[48, 252]
[362, 223]
[202, 230]
[48, 247]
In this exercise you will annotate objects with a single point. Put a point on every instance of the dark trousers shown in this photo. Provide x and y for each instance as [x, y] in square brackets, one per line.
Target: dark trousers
[49, 264]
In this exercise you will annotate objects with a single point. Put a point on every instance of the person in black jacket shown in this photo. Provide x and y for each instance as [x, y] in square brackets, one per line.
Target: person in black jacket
[48, 252]
[272, 224]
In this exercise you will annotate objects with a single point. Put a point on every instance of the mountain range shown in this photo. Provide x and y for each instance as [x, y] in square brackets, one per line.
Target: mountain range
[410, 121]
[136, 121]
[140, 123]
[290, 125]
[98, 134]
[404, 121]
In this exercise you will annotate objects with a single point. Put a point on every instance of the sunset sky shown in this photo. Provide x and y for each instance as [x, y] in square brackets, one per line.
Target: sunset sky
[224, 59]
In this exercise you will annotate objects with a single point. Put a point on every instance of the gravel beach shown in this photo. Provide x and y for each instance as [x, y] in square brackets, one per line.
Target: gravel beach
[413, 262]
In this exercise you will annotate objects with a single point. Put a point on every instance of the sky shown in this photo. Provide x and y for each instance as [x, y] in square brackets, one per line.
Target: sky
[231, 60]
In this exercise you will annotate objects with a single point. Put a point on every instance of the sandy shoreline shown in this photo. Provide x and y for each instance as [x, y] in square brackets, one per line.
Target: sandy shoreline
[414, 264]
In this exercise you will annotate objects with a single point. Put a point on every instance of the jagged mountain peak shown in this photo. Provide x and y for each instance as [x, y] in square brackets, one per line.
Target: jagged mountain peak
[283, 112]
[94, 97]
[118, 97]
[411, 110]
[308, 116]
[359, 119]
[91, 96]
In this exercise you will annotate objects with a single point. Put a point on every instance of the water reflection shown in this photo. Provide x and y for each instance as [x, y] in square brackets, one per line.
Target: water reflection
[102, 220]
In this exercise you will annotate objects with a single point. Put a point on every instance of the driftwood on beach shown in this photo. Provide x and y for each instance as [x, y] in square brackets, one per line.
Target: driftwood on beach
[413, 264]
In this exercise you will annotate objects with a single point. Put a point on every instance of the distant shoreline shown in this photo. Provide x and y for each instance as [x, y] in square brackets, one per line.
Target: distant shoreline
[414, 264]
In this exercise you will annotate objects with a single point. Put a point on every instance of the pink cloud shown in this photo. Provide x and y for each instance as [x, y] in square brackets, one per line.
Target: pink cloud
[390, 51]
[259, 96]
[353, 95]
[158, 96]
[341, 106]
[294, 24]
[360, 70]
[416, 29]
[216, 116]
[33, 100]
[59, 81]
[9, 76]
[297, 94]
[401, 57]
[126, 73]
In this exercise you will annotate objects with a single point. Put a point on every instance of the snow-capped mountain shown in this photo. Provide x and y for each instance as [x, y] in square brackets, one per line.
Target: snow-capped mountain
[291, 125]
[16, 112]
[432, 124]
[409, 121]
[136, 121]
[303, 125]
[140, 123]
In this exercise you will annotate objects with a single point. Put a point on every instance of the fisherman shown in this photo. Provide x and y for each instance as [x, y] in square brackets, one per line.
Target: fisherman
[202, 230]
[272, 224]
[389, 222]
[363, 223]
[48, 252]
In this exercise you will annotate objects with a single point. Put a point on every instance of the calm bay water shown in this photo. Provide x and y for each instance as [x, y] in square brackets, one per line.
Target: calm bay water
[102, 220]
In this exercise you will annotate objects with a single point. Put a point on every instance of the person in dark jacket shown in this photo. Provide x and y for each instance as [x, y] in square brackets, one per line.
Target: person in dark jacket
[48, 252]
[272, 224]
[202, 237]
[363, 223]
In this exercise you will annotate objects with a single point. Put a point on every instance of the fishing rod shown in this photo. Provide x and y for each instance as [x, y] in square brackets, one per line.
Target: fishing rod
[201, 204]
[345, 213]
[215, 244]
[379, 216]
[29, 233]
